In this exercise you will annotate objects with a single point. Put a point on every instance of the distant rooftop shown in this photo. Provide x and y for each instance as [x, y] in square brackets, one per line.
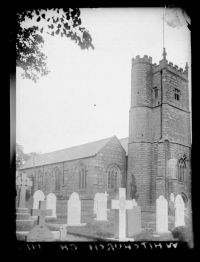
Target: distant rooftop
[124, 143]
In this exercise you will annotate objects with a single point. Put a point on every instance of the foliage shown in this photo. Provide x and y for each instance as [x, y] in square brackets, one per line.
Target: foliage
[183, 234]
[29, 40]
[21, 157]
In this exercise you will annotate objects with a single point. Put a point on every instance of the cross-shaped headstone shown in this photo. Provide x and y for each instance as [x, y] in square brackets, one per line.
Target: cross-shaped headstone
[122, 204]
[42, 212]
[23, 182]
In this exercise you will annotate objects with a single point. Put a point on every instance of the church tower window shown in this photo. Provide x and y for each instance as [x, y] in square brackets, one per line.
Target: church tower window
[177, 94]
[181, 170]
[155, 91]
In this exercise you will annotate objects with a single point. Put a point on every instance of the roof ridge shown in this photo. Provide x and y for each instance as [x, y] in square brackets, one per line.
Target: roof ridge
[75, 146]
[70, 153]
[109, 138]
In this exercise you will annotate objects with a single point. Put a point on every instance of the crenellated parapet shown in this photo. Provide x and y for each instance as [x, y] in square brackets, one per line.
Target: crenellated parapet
[172, 68]
[178, 70]
[144, 59]
[162, 64]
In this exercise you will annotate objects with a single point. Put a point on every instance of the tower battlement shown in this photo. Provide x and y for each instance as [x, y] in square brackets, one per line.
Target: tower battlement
[171, 67]
[144, 59]
[162, 64]
[177, 69]
[159, 128]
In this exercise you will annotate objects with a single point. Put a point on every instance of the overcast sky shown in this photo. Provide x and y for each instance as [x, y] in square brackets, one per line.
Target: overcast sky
[58, 111]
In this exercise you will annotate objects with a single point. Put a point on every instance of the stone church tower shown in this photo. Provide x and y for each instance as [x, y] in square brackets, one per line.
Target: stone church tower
[159, 131]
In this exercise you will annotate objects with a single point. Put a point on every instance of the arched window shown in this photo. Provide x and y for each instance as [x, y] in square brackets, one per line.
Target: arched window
[57, 179]
[40, 179]
[185, 198]
[181, 170]
[113, 176]
[82, 178]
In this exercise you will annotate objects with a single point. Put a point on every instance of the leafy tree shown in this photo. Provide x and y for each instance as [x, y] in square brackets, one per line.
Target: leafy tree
[65, 22]
[21, 157]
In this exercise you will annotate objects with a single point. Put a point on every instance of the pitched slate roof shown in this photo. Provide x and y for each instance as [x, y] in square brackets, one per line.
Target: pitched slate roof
[124, 143]
[71, 153]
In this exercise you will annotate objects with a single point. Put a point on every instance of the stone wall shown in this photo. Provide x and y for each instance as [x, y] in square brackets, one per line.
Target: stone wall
[96, 169]
[152, 120]
[140, 164]
[112, 154]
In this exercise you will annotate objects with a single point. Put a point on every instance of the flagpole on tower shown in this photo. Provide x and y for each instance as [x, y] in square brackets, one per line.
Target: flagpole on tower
[163, 33]
[163, 30]
[163, 18]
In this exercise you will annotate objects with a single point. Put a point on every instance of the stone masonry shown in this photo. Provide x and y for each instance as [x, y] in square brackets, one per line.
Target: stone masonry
[159, 128]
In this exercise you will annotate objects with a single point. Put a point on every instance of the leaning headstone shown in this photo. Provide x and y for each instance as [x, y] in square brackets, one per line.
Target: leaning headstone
[179, 211]
[100, 206]
[37, 197]
[161, 215]
[51, 204]
[40, 233]
[74, 210]
[122, 205]
[134, 220]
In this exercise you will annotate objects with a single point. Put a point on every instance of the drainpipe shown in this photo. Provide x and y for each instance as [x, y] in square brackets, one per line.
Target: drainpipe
[161, 128]
[161, 102]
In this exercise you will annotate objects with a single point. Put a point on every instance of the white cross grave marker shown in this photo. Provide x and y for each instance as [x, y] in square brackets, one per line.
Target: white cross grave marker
[23, 182]
[40, 232]
[41, 213]
[122, 204]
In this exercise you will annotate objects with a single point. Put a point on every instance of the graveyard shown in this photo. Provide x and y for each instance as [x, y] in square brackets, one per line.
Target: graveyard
[103, 141]
[42, 218]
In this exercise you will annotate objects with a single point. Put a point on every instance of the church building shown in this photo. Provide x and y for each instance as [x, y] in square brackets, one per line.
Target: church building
[153, 160]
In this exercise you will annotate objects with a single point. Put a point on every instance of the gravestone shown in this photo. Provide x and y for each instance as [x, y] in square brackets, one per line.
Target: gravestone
[51, 204]
[122, 205]
[37, 197]
[23, 182]
[179, 211]
[188, 214]
[161, 215]
[100, 206]
[23, 220]
[74, 210]
[134, 220]
[40, 233]
[63, 232]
